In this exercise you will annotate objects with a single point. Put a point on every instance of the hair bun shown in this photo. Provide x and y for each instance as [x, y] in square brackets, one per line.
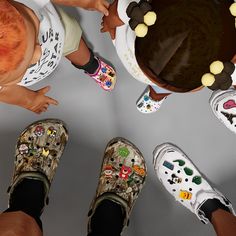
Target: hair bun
[220, 76]
[145, 7]
[142, 16]
[229, 67]
[134, 12]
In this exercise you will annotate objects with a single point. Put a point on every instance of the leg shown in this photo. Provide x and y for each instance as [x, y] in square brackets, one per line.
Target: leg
[151, 99]
[81, 56]
[121, 179]
[95, 67]
[38, 152]
[224, 223]
[76, 50]
[18, 224]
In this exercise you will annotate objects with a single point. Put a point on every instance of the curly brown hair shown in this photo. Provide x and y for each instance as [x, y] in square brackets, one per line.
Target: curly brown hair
[187, 37]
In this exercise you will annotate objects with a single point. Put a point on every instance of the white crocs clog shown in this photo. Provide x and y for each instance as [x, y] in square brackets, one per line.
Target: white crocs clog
[223, 105]
[145, 104]
[183, 180]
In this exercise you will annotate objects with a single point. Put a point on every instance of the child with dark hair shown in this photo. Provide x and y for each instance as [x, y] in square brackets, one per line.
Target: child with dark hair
[34, 35]
[175, 45]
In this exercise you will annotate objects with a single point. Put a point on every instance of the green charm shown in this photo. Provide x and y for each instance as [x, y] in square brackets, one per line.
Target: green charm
[181, 162]
[188, 171]
[124, 152]
[197, 180]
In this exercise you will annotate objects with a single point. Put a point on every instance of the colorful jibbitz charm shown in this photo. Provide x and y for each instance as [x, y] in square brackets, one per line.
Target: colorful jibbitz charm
[51, 132]
[123, 151]
[39, 131]
[140, 171]
[45, 152]
[185, 195]
[124, 172]
[23, 149]
[108, 171]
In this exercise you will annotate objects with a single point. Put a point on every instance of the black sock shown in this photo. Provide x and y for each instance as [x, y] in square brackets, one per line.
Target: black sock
[108, 219]
[212, 205]
[91, 66]
[28, 196]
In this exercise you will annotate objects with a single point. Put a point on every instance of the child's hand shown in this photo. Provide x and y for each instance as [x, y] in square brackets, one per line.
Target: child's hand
[35, 101]
[110, 22]
[38, 102]
[94, 5]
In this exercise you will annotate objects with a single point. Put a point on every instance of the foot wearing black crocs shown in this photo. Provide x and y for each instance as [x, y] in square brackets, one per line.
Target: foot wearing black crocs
[121, 180]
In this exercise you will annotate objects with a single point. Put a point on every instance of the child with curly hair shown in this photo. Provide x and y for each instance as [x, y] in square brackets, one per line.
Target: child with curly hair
[33, 37]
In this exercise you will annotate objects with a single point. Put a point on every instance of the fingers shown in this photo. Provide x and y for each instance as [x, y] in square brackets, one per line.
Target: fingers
[44, 90]
[106, 4]
[52, 101]
[103, 8]
[112, 33]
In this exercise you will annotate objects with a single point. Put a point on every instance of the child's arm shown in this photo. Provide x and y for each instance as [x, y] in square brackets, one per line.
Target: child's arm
[35, 101]
[97, 5]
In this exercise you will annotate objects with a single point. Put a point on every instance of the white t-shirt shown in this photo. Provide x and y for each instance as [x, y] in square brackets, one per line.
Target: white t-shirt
[125, 44]
[51, 39]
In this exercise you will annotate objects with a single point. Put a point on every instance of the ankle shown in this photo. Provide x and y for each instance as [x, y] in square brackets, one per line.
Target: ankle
[108, 217]
[212, 207]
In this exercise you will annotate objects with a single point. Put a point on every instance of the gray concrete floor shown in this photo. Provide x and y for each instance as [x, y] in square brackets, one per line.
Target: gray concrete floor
[94, 117]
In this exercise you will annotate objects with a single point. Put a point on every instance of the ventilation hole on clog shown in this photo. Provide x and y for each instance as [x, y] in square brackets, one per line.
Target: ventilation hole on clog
[182, 200]
[217, 107]
[190, 189]
[166, 172]
[173, 190]
[178, 171]
[186, 180]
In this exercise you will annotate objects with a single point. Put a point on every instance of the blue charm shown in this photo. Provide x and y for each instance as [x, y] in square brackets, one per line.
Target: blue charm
[146, 98]
[104, 70]
[108, 83]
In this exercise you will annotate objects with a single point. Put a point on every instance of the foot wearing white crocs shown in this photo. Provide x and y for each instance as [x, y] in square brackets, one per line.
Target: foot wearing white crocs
[223, 105]
[146, 104]
[183, 180]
